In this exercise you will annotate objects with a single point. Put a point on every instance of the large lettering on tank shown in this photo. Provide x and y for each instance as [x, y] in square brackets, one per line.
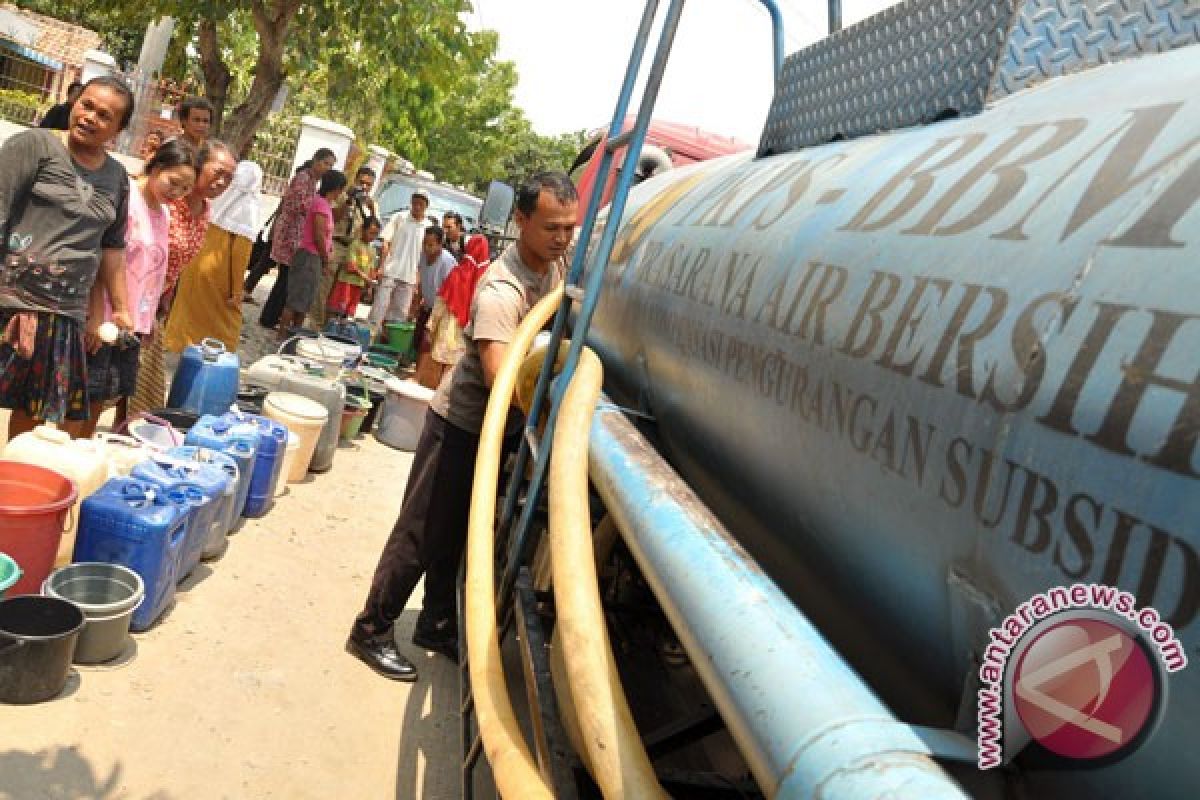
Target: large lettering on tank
[1115, 376]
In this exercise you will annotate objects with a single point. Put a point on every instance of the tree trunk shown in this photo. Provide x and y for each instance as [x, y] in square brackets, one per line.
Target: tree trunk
[216, 72]
[272, 25]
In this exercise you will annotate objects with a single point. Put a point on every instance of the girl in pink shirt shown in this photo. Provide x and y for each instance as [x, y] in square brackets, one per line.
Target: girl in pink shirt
[312, 256]
[112, 368]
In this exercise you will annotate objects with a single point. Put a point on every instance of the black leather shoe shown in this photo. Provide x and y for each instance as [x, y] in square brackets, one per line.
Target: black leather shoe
[442, 645]
[381, 654]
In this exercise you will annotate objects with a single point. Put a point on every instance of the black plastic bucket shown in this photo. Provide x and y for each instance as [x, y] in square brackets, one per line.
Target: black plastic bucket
[37, 643]
[180, 419]
[250, 398]
[376, 399]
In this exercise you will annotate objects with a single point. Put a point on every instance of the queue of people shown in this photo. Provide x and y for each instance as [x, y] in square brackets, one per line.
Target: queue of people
[163, 258]
[320, 240]
[85, 244]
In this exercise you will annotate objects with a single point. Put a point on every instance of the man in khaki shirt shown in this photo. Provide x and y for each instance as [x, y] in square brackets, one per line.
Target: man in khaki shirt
[430, 533]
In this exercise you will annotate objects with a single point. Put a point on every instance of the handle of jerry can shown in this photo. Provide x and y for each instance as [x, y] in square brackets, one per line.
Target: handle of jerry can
[286, 342]
[211, 349]
[137, 495]
[175, 437]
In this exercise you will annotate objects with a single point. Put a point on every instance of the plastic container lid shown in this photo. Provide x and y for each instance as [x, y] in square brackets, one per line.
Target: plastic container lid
[410, 389]
[320, 350]
[48, 433]
[296, 405]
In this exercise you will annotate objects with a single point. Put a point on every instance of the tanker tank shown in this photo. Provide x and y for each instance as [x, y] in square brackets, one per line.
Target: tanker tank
[926, 374]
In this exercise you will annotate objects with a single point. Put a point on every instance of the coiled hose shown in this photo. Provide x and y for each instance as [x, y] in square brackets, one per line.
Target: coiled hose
[620, 765]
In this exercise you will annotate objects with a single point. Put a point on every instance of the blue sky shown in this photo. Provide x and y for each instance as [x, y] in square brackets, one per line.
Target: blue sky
[571, 56]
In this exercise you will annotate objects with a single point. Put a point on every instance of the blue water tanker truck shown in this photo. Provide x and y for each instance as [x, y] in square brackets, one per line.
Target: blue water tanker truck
[883, 393]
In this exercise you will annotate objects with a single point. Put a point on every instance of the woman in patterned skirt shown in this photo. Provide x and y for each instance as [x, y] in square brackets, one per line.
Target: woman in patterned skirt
[63, 208]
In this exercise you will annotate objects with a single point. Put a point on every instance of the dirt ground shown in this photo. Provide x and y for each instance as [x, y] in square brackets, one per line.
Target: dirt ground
[244, 689]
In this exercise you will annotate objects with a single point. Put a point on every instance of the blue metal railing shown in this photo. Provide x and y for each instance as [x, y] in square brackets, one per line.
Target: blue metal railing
[633, 140]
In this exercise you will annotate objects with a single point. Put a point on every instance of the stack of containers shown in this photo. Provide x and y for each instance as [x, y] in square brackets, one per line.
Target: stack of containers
[139, 526]
[213, 481]
[83, 461]
[218, 433]
[203, 503]
[272, 446]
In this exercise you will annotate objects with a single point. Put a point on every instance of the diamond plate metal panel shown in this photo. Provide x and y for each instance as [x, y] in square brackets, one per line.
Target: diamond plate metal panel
[1057, 37]
[905, 66]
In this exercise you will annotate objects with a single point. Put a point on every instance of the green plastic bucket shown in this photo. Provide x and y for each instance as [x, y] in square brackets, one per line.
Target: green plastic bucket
[353, 413]
[10, 573]
[400, 336]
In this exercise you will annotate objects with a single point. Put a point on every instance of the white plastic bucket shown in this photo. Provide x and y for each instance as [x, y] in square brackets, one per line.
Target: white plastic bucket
[303, 417]
[326, 352]
[155, 434]
[400, 422]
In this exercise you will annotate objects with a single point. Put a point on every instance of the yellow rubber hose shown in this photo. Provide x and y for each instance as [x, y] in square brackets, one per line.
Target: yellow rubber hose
[615, 754]
[605, 537]
[515, 771]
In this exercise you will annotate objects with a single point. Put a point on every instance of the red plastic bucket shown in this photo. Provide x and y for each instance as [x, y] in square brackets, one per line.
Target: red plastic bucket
[33, 510]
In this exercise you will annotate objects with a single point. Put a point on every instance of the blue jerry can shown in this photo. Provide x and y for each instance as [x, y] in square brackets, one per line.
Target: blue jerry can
[218, 433]
[272, 445]
[142, 527]
[207, 379]
[203, 505]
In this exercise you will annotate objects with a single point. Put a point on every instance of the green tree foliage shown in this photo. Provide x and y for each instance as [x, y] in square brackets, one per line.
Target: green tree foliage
[370, 62]
[121, 29]
[407, 75]
[535, 152]
[482, 136]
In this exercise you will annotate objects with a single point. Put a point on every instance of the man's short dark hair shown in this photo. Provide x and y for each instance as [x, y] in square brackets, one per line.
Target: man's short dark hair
[436, 232]
[120, 87]
[195, 104]
[332, 181]
[553, 181]
[454, 215]
[420, 194]
[364, 170]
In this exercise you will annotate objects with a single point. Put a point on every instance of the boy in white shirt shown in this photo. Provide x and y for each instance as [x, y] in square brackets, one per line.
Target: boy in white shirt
[400, 255]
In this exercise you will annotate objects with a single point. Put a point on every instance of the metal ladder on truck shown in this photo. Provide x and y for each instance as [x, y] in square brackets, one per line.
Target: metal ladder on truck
[516, 600]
